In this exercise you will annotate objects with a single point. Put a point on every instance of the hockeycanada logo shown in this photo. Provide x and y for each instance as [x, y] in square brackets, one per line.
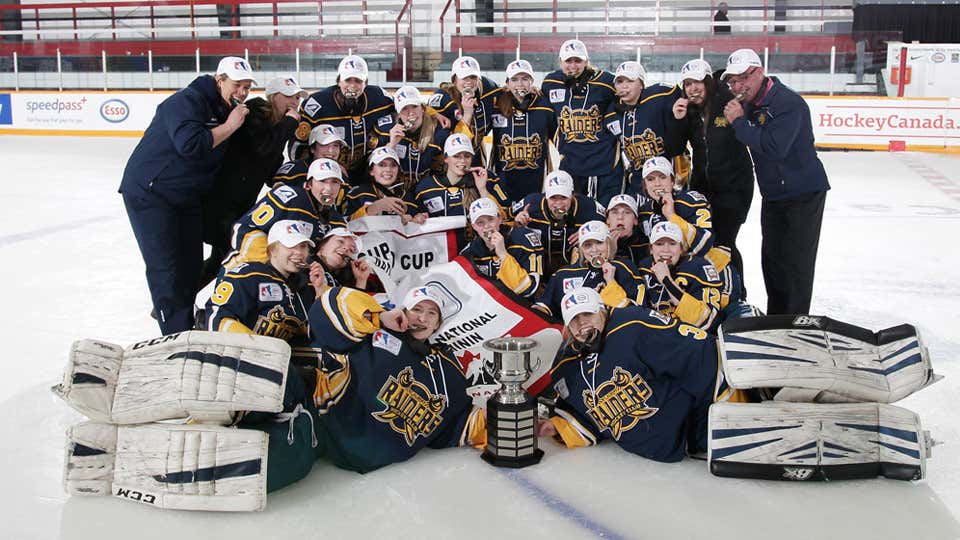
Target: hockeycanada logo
[890, 121]
[57, 105]
[114, 111]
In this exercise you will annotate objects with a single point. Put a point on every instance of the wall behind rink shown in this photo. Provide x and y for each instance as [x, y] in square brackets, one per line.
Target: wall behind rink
[853, 122]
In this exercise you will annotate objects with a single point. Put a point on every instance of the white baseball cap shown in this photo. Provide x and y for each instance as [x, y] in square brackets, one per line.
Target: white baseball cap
[284, 85]
[381, 153]
[483, 206]
[740, 61]
[666, 229]
[573, 48]
[323, 168]
[236, 68]
[419, 294]
[344, 233]
[624, 199]
[558, 183]
[324, 134]
[406, 95]
[658, 163]
[579, 300]
[465, 66]
[519, 66]
[352, 66]
[593, 230]
[456, 143]
[695, 69]
[631, 70]
[290, 233]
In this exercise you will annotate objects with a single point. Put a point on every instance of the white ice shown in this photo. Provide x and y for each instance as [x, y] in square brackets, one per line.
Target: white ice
[71, 269]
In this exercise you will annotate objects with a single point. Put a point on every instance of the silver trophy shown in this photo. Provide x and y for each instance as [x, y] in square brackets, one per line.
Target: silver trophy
[511, 413]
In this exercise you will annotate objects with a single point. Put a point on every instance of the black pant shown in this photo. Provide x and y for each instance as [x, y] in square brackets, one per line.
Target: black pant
[726, 227]
[791, 234]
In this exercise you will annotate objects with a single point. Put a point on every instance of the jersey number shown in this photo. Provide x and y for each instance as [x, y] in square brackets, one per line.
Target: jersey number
[262, 214]
[687, 330]
[222, 293]
[703, 218]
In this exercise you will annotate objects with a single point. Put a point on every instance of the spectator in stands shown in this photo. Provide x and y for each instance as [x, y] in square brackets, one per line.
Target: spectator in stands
[468, 97]
[774, 122]
[254, 153]
[721, 16]
[170, 171]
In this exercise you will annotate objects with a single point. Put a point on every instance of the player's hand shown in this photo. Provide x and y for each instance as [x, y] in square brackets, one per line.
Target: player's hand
[496, 242]
[292, 113]
[395, 320]
[608, 272]
[442, 120]
[732, 110]
[318, 278]
[361, 272]
[386, 205]
[661, 270]
[545, 428]
[237, 116]
[680, 108]
[396, 133]
[573, 238]
[667, 206]
[480, 178]
[523, 216]
[420, 218]
[467, 104]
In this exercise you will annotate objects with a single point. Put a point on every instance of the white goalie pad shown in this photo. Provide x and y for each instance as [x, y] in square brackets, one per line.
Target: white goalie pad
[805, 441]
[207, 376]
[184, 467]
[817, 359]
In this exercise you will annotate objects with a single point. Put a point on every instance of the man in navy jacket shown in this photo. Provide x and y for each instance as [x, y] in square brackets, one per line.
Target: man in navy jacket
[170, 170]
[774, 122]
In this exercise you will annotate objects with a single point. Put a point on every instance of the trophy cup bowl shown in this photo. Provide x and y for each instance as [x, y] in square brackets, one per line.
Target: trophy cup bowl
[511, 413]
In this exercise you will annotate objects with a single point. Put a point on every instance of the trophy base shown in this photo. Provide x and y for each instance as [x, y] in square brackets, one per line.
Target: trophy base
[512, 462]
[511, 434]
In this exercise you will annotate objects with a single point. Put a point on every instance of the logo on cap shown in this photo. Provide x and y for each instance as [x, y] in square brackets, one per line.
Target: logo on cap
[294, 228]
[467, 63]
[241, 65]
[553, 181]
[350, 64]
[572, 46]
[458, 139]
[573, 300]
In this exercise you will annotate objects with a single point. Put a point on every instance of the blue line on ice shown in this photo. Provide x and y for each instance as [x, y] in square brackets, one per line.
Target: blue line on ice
[31, 235]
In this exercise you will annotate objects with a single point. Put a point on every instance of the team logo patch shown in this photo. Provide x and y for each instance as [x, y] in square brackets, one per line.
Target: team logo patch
[270, 292]
[517, 207]
[557, 95]
[614, 127]
[285, 193]
[434, 204]
[620, 403]
[533, 238]
[310, 106]
[401, 150]
[561, 388]
[499, 121]
[303, 131]
[710, 271]
[697, 196]
[386, 341]
[658, 315]
[286, 167]
[601, 210]
[570, 284]
[435, 100]
[341, 131]
[721, 122]
[411, 409]
[384, 120]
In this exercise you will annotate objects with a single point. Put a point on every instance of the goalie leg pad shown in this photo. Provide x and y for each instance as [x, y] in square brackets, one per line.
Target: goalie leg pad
[823, 360]
[204, 375]
[185, 467]
[805, 441]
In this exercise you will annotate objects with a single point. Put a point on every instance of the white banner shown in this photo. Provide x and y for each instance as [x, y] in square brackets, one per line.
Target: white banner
[875, 123]
[97, 112]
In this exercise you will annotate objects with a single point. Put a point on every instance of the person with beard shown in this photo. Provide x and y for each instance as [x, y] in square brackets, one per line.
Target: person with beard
[255, 152]
[664, 200]
[169, 172]
[383, 193]
[353, 108]
[580, 95]
[617, 280]
[722, 167]
[683, 286]
[557, 214]
[522, 127]
[511, 255]
[642, 118]
[623, 219]
[452, 192]
[662, 375]
[468, 97]
[312, 202]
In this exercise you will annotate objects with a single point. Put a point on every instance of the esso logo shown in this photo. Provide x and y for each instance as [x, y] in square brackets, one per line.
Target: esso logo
[114, 111]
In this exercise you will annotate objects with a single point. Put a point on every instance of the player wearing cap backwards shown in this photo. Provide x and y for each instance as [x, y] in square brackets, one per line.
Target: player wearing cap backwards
[623, 220]
[354, 109]
[580, 95]
[643, 120]
[595, 267]
[383, 193]
[665, 200]
[169, 172]
[557, 214]
[312, 202]
[468, 98]
[511, 255]
[675, 283]
[722, 168]
[522, 126]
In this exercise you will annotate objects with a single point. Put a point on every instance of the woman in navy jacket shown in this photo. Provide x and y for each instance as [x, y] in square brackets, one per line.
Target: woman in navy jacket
[169, 172]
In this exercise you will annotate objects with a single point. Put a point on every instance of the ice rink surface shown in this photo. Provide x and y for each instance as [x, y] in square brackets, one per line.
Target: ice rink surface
[71, 269]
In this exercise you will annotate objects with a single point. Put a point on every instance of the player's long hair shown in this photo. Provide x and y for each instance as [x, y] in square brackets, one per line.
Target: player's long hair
[571, 344]
[577, 256]
[506, 103]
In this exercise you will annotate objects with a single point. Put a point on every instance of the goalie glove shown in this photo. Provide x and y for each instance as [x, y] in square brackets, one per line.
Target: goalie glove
[185, 467]
[823, 360]
[208, 376]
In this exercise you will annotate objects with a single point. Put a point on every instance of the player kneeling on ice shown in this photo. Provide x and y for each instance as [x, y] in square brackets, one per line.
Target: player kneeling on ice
[385, 394]
[647, 381]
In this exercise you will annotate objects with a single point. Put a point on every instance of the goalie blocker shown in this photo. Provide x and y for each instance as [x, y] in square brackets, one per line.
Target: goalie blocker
[834, 368]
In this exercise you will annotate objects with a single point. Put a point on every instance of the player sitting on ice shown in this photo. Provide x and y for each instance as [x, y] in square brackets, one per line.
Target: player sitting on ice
[384, 390]
[646, 381]
[511, 255]
[616, 279]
